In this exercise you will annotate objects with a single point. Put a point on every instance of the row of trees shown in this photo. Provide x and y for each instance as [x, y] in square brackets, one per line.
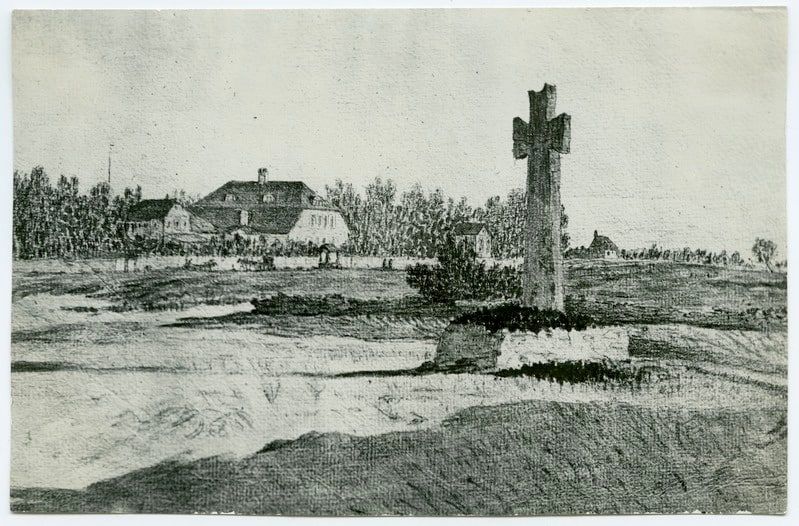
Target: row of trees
[57, 220]
[763, 251]
[416, 223]
[656, 252]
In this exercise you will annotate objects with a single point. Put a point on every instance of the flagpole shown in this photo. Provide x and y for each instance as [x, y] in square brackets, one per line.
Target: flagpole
[110, 145]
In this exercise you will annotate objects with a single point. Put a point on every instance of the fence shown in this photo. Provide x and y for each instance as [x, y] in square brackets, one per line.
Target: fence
[288, 262]
[222, 263]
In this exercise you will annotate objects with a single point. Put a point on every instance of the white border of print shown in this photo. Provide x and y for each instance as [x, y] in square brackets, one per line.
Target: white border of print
[6, 161]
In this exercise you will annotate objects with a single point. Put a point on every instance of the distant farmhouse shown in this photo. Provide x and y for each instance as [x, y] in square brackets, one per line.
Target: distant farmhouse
[166, 220]
[475, 236]
[601, 247]
[272, 212]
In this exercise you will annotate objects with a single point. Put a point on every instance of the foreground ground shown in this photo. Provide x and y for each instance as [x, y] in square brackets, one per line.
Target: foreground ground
[527, 458]
[154, 391]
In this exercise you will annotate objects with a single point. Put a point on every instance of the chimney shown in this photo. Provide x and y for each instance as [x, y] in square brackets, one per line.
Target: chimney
[263, 173]
[595, 234]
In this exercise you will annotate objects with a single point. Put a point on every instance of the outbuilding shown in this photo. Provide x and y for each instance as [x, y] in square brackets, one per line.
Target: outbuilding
[475, 236]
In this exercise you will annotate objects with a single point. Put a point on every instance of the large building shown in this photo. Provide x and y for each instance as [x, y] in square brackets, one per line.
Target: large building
[272, 211]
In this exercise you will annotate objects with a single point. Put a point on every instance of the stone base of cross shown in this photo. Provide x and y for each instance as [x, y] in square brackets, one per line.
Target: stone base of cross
[541, 141]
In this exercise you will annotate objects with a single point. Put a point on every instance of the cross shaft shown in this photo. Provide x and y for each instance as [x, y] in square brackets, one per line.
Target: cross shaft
[541, 142]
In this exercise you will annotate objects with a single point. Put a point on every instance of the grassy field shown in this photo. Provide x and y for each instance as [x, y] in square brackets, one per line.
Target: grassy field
[154, 391]
[178, 288]
[610, 292]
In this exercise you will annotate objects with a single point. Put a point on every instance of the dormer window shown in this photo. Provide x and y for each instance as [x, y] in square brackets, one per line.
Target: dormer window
[268, 198]
[230, 197]
[244, 217]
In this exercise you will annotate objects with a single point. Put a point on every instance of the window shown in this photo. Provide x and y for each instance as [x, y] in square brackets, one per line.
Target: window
[269, 198]
[230, 197]
[325, 225]
[244, 217]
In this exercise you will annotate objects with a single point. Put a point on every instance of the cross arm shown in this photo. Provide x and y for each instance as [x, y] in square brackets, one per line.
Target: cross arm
[560, 132]
[521, 138]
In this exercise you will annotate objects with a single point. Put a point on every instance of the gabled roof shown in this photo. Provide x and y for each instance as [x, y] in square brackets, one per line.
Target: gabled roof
[280, 194]
[149, 209]
[602, 243]
[468, 229]
[265, 220]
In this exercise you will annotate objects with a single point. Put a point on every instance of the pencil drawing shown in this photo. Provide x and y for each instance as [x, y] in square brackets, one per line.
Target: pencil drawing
[312, 263]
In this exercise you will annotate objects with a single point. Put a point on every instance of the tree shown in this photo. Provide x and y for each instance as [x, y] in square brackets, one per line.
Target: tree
[415, 223]
[764, 250]
[55, 220]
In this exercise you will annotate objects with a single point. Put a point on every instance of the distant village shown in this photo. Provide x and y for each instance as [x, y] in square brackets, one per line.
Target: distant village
[278, 217]
[275, 213]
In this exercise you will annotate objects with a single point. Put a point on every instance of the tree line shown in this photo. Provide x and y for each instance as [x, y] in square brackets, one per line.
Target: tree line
[416, 223]
[56, 220]
[763, 251]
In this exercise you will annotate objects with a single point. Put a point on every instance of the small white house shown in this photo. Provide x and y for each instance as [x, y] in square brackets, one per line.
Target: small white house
[474, 235]
[165, 219]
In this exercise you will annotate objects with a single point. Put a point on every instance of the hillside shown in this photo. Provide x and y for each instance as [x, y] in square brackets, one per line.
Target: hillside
[528, 458]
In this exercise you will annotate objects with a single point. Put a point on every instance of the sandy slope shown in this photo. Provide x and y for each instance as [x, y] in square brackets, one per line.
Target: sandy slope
[528, 458]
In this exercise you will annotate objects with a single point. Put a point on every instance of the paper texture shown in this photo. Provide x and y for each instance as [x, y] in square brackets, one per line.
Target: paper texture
[400, 262]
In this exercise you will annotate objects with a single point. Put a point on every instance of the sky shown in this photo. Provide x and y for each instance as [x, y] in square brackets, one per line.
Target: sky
[678, 116]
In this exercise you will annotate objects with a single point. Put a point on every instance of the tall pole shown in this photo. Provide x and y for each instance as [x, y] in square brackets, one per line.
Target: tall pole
[110, 145]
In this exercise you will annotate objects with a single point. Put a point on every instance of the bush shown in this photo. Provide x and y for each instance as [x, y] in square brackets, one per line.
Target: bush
[579, 371]
[338, 305]
[460, 276]
[514, 317]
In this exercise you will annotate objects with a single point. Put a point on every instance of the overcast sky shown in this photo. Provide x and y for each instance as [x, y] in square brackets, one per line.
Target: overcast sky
[677, 115]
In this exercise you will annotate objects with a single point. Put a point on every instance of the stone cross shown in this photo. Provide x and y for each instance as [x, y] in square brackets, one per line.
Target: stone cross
[541, 142]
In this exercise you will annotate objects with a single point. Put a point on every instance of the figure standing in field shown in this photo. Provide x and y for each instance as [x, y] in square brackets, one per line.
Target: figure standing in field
[541, 142]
